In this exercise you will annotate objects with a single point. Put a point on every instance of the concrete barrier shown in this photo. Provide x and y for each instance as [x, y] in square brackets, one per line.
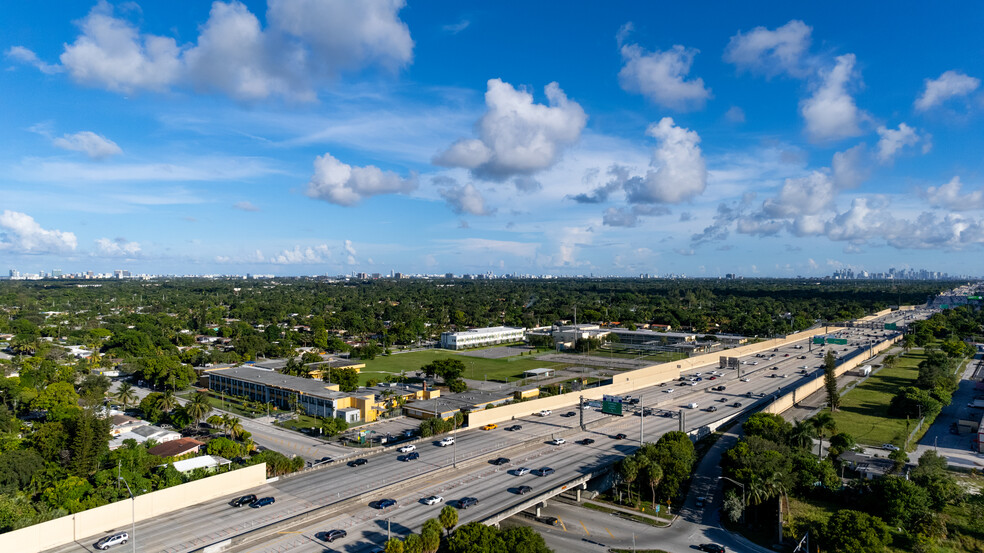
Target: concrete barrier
[90, 524]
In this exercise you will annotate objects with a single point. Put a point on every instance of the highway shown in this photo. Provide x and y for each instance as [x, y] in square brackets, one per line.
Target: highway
[388, 476]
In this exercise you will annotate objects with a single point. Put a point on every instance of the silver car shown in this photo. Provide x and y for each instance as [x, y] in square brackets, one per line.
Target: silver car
[110, 541]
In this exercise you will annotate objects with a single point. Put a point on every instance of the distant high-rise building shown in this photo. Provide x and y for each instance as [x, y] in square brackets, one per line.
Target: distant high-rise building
[56, 273]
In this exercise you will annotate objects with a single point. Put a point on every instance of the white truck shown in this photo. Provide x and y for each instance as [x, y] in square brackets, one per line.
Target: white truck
[445, 442]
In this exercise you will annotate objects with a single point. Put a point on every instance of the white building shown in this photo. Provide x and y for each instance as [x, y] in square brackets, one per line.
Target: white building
[479, 337]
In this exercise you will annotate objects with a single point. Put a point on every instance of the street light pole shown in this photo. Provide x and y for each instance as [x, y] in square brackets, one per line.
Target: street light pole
[133, 515]
[743, 504]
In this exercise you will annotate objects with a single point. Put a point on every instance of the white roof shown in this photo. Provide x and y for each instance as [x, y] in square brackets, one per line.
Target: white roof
[201, 462]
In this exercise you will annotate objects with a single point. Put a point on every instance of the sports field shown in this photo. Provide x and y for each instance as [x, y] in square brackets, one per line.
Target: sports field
[476, 368]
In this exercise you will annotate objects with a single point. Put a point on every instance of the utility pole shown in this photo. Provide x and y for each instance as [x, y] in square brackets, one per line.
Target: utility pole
[580, 408]
[642, 418]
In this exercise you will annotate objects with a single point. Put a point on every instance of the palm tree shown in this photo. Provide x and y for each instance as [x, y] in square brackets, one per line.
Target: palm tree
[629, 470]
[802, 434]
[822, 422]
[654, 473]
[198, 408]
[167, 401]
[126, 395]
[216, 421]
[448, 518]
[233, 426]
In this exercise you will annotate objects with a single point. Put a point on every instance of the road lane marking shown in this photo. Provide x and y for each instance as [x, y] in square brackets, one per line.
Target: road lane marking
[562, 525]
[585, 527]
[609, 532]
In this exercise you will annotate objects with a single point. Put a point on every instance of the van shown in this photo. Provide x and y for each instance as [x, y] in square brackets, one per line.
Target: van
[115, 539]
[692, 405]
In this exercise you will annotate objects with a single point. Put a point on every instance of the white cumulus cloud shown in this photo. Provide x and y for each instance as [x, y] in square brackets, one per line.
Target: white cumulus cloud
[304, 43]
[661, 76]
[464, 199]
[20, 233]
[891, 141]
[517, 136]
[948, 85]
[949, 196]
[831, 113]
[343, 184]
[771, 52]
[117, 248]
[91, 144]
[24, 55]
[678, 170]
[299, 255]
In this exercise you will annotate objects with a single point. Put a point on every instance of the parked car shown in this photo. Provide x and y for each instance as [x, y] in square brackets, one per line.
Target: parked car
[466, 502]
[333, 535]
[523, 490]
[890, 447]
[499, 461]
[433, 500]
[711, 548]
[244, 500]
[543, 471]
[358, 462]
[407, 448]
[263, 502]
[109, 541]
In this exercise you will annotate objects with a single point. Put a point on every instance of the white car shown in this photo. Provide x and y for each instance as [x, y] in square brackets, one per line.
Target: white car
[890, 447]
[559, 441]
[746, 379]
[433, 500]
[445, 442]
[407, 448]
[668, 391]
[544, 413]
[110, 541]
[521, 471]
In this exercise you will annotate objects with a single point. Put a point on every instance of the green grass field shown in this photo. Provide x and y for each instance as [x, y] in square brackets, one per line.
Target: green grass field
[864, 410]
[476, 368]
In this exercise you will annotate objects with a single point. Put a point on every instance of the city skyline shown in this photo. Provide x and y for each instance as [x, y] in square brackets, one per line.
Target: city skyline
[301, 138]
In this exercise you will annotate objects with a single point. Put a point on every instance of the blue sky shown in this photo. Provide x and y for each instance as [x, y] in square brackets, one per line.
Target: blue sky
[309, 137]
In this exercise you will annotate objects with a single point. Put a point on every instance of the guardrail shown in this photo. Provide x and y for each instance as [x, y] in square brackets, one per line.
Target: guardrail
[499, 516]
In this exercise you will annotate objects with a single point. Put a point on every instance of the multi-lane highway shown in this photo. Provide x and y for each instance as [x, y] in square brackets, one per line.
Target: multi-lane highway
[345, 492]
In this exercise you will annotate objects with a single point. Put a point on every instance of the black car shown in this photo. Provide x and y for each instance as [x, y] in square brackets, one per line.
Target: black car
[619, 436]
[358, 462]
[244, 500]
[466, 502]
[514, 428]
[569, 414]
[550, 521]
[412, 456]
[586, 441]
[262, 502]
[523, 490]
[544, 471]
[333, 535]
[711, 548]
[385, 503]
[499, 461]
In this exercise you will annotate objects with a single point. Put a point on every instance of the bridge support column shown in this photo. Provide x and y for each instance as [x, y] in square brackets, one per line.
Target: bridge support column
[539, 506]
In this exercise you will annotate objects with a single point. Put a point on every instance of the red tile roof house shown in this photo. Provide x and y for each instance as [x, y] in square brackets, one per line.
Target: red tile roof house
[177, 448]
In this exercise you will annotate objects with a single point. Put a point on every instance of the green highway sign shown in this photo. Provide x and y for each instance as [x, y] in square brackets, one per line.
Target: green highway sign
[611, 405]
[818, 340]
[840, 341]
[975, 297]
[891, 326]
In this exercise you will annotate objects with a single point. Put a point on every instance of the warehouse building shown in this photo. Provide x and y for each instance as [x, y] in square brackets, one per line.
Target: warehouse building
[481, 337]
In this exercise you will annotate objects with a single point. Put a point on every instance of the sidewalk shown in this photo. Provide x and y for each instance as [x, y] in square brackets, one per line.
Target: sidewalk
[609, 506]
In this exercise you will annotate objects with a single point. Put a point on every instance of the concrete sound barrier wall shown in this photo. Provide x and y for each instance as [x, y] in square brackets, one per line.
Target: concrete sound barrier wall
[799, 393]
[90, 525]
[629, 381]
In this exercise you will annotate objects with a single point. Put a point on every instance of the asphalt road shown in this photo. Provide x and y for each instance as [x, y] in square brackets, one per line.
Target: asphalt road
[210, 522]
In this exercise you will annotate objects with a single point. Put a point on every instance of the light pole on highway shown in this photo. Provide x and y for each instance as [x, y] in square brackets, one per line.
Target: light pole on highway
[743, 504]
[642, 417]
[133, 514]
